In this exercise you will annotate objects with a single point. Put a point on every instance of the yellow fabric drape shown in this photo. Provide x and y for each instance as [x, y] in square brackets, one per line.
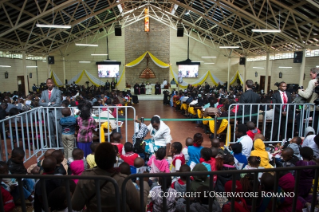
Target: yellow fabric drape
[54, 80]
[199, 113]
[237, 75]
[205, 122]
[79, 79]
[221, 128]
[121, 77]
[104, 126]
[136, 61]
[157, 61]
[228, 135]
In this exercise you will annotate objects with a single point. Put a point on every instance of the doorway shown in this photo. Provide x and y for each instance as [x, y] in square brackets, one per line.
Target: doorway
[21, 88]
[262, 83]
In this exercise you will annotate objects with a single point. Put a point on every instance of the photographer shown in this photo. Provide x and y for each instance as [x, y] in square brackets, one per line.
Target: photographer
[309, 93]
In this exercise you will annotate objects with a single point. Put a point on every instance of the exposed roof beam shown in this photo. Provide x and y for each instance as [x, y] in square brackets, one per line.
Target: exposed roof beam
[57, 8]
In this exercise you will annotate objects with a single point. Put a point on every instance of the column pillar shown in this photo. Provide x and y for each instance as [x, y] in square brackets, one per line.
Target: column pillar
[267, 74]
[302, 67]
[63, 59]
[25, 73]
[229, 58]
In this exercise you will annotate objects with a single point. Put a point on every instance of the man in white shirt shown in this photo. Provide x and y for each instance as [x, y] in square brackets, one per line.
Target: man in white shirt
[164, 83]
[245, 140]
[312, 141]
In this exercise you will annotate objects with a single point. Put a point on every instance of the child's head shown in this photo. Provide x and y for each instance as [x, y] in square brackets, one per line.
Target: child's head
[35, 170]
[287, 154]
[229, 159]
[139, 162]
[58, 155]
[93, 146]
[4, 169]
[267, 181]
[250, 125]
[78, 154]
[105, 156]
[198, 139]
[214, 152]
[65, 103]
[215, 143]
[128, 147]
[259, 136]
[306, 153]
[176, 147]
[189, 141]
[237, 148]
[206, 153]
[254, 161]
[49, 164]
[296, 140]
[160, 154]
[48, 152]
[184, 168]
[66, 112]
[116, 138]
[125, 168]
[202, 196]
[57, 199]
[168, 182]
[17, 155]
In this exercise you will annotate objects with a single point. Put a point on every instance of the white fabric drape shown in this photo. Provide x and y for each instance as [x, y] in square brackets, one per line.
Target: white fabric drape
[75, 78]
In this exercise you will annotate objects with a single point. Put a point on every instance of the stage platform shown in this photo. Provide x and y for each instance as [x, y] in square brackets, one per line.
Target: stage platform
[143, 97]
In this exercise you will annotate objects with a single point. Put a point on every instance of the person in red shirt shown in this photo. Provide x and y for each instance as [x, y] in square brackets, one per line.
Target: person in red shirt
[180, 184]
[129, 155]
[178, 157]
[252, 129]
[7, 200]
[116, 141]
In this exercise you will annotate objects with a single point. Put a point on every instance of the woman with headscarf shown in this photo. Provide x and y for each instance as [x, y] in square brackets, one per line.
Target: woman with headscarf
[260, 151]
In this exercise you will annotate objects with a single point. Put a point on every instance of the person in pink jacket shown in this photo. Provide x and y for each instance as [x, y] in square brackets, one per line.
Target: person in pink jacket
[158, 163]
[77, 166]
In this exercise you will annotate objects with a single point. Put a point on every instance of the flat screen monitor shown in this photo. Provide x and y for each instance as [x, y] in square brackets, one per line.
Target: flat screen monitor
[188, 70]
[108, 70]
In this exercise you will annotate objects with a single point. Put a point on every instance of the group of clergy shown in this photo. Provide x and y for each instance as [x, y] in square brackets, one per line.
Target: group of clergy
[146, 89]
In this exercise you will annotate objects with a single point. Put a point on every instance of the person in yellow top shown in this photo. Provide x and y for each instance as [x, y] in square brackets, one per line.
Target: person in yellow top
[260, 151]
[90, 159]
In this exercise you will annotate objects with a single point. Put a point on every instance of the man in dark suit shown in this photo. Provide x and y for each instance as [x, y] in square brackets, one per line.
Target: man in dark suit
[107, 85]
[282, 97]
[52, 98]
[112, 85]
[249, 97]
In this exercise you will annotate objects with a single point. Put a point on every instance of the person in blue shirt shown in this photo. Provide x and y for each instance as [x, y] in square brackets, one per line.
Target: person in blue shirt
[240, 159]
[68, 124]
[194, 151]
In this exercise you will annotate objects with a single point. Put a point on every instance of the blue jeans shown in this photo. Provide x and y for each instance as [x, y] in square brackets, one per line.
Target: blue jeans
[28, 188]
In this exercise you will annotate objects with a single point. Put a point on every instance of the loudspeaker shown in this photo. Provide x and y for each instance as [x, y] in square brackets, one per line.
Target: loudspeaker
[66, 81]
[180, 30]
[51, 60]
[118, 30]
[298, 57]
[242, 61]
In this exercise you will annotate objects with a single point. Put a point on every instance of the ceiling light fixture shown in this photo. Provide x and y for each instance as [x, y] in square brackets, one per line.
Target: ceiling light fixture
[258, 67]
[98, 54]
[266, 30]
[229, 47]
[31, 66]
[209, 63]
[86, 44]
[54, 26]
[5, 66]
[84, 61]
[208, 57]
[284, 67]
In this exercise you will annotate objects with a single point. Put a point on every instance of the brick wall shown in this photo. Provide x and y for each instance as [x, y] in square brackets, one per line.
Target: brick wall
[157, 41]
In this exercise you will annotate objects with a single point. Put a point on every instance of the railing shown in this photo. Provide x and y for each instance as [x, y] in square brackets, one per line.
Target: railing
[38, 129]
[66, 179]
[297, 116]
[121, 205]
[233, 173]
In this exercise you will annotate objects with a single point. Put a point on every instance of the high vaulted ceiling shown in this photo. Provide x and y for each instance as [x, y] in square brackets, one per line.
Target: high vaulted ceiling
[215, 22]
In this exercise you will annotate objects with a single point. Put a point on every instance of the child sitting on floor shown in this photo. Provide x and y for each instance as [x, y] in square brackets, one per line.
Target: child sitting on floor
[194, 151]
[229, 164]
[77, 166]
[158, 163]
[189, 142]
[252, 129]
[288, 159]
[178, 157]
[116, 140]
[253, 163]
[129, 155]
[90, 159]
[180, 184]
[15, 163]
[58, 155]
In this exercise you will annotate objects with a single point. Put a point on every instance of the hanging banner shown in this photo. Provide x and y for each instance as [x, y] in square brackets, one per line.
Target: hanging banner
[235, 77]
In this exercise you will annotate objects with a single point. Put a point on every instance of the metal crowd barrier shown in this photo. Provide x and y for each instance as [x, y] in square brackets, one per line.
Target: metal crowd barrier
[66, 179]
[38, 129]
[233, 173]
[298, 116]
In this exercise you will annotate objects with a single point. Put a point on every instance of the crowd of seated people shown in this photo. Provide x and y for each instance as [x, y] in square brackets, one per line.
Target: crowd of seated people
[118, 161]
